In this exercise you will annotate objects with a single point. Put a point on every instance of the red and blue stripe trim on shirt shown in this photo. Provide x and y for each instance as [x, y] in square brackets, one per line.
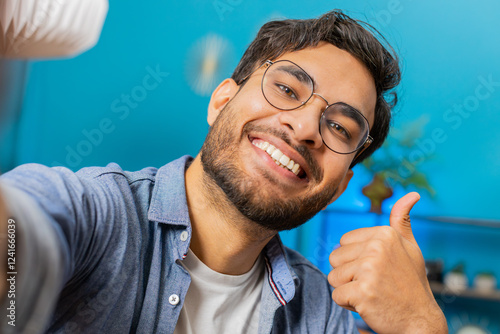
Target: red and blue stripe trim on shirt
[272, 283]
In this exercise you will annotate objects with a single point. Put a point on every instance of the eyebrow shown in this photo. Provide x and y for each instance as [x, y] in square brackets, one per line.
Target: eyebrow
[297, 73]
[352, 113]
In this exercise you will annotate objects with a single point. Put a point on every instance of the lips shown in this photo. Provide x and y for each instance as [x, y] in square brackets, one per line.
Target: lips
[279, 157]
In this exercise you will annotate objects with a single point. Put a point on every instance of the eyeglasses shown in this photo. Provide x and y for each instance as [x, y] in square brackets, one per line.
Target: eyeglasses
[286, 86]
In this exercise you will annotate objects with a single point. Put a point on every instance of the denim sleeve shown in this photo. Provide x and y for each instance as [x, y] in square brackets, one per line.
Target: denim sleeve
[56, 213]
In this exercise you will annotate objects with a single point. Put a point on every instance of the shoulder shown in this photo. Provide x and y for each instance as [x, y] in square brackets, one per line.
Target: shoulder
[113, 171]
[113, 178]
[33, 173]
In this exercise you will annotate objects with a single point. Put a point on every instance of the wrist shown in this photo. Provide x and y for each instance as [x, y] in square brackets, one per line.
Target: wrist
[433, 321]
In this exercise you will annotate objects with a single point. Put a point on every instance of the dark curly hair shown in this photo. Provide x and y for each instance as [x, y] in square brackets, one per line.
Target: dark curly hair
[358, 38]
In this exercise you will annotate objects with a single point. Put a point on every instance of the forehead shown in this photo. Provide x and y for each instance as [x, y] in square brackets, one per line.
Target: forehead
[339, 76]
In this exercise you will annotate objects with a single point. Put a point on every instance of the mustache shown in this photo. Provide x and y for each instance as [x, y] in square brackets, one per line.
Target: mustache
[314, 169]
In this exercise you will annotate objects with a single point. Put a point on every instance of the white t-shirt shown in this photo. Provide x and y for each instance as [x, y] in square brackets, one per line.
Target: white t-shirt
[218, 303]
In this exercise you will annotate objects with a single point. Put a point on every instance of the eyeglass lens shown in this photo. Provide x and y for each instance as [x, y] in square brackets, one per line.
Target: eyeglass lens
[286, 86]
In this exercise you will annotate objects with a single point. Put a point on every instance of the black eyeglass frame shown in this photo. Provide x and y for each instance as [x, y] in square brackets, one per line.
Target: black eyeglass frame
[268, 63]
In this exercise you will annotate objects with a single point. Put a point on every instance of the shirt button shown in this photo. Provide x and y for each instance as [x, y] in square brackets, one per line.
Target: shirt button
[173, 299]
[184, 236]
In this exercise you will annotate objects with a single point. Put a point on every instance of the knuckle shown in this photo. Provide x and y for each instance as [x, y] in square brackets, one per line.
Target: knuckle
[376, 247]
[343, 240]
[368, 266]
[333, 260]
[405, 216]
[364, 288]
[340, 298]
[336, 296]
[367, 290]
[330, 278]
[388, 233]
[333, 278]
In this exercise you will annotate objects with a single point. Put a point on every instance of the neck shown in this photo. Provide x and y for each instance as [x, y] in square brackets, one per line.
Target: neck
[222, 238]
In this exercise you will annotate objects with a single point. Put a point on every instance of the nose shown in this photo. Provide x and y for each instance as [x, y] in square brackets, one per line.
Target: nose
[304, 122]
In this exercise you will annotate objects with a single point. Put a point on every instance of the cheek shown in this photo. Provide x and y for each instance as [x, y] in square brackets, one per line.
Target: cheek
[257, 106]
[252, 103]
[336, 168]
[246, 107]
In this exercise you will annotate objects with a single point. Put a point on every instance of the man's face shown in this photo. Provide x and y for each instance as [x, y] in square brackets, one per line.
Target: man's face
[236, 158]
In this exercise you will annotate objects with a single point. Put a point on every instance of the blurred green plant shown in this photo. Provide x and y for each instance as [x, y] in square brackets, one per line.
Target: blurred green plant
[458, 268]
[386, 162]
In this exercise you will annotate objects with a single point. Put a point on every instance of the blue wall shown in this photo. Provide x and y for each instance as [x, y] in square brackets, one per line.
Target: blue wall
[75, 111]
[448, 50]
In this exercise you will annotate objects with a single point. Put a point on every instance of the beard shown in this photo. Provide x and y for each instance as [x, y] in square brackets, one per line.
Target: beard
[253, 197]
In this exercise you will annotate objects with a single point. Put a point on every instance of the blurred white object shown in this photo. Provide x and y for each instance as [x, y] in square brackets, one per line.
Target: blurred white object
[49, 28]
[456, 282]
[485, 283]
[471, 329]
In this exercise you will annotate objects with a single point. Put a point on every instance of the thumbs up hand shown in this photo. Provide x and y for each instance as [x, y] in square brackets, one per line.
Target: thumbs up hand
[379, 272]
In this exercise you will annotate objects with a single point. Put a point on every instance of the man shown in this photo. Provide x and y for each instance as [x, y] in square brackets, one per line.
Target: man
[193, 247]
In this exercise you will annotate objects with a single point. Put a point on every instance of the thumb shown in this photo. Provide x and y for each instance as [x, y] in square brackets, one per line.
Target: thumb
[400, 215]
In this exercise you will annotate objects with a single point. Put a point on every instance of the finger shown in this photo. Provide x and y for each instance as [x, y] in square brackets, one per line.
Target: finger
[400, 215]
[343, 274]
[361, 235]
[346, 254]
[345, 296]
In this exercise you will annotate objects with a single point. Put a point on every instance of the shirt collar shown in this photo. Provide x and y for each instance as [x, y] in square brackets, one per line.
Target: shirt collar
[282, 278]
[168, 202]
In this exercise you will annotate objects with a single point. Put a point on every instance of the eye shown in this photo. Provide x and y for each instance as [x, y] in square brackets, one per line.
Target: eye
[287, 91]
[338, 129]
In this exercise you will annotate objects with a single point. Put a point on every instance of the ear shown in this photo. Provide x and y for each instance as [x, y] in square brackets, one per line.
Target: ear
[342, 186]
[220, 97]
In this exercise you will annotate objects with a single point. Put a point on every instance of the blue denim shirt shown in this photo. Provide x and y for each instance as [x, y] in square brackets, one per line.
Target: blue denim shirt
[121, 236]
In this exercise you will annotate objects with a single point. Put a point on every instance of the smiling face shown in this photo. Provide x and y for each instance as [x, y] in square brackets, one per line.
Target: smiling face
[272, 164]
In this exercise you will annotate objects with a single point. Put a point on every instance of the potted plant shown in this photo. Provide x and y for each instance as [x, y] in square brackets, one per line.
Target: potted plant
[485, 282]
[394, 165]
[456, 280]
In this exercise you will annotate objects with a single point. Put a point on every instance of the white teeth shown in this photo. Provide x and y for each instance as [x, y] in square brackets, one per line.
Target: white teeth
[270, 149]
[277, 155]
[279, 158]
[284, 160]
